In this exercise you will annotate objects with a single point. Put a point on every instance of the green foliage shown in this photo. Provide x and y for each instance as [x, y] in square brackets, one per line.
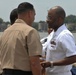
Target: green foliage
[70, 19]
[72, 27]
[1, 20]
[7, 22]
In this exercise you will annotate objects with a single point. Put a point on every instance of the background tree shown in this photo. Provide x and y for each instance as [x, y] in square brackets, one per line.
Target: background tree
[70, 19]
[1, 20]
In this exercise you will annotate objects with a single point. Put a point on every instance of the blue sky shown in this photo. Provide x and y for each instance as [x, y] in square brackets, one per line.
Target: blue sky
[41, 7]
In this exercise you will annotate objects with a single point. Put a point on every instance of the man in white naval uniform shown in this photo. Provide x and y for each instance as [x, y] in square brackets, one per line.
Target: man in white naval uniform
[61, 51]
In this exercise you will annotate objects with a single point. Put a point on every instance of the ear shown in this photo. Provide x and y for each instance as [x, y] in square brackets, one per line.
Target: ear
[29, 13]
[60, 20]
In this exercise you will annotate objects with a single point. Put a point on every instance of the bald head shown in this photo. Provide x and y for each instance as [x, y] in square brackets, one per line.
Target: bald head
[59, 11]
[56, 17]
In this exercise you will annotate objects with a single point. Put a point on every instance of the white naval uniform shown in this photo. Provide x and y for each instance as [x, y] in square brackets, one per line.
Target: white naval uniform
[63, 45]
[45, 44]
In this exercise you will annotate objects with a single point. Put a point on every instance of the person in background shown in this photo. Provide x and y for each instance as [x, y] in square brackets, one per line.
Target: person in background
[49, 30]
[13, 16]
[45, 41]
[61, 53]
[21, 49]
[73, 70]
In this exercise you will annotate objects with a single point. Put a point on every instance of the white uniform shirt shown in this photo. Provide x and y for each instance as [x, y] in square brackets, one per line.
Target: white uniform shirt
[45, 44]
[62, 45]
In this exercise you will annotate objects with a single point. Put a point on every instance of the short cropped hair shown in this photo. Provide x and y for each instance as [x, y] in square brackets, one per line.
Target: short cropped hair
[24, 7]
[13, 16]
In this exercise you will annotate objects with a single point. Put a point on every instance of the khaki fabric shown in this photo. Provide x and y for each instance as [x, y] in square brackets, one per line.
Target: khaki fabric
[0, 59]
[0, 67]
[18, 42]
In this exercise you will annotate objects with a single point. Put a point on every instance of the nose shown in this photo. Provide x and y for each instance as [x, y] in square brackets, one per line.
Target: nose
[47, 21]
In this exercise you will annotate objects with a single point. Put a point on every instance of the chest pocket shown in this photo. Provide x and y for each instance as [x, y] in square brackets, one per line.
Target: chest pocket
[53, 45]
[55, 42]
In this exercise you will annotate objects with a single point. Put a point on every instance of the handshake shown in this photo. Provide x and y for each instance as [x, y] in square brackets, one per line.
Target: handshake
[45, 64]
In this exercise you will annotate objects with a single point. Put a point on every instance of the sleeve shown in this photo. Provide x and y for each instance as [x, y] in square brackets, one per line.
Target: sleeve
[0, 56]
[34, 44]
[68, 45]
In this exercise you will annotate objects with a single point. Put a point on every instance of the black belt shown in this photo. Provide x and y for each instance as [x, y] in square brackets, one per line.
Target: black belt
[0, 74]
[16, 72]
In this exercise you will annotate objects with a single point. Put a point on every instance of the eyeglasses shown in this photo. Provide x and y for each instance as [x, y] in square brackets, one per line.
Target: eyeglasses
[49, 17]
[52, 18]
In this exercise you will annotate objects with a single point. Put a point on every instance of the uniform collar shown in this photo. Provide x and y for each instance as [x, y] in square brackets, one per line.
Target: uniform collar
[60, 29]
[19, 21]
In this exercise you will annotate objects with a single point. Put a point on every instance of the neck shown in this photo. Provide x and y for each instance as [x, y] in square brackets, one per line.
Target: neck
[55, 29]
[25, 19]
